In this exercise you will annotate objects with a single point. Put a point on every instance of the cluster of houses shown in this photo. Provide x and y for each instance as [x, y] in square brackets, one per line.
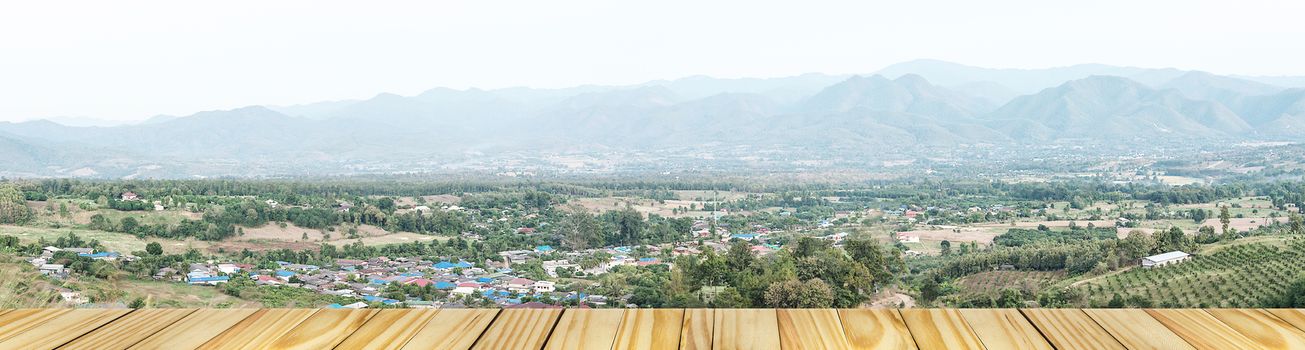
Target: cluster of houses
[43, 265]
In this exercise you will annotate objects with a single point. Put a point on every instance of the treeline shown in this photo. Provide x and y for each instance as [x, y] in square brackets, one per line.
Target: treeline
[812, 274]
[1076, 258]
[1016, 237]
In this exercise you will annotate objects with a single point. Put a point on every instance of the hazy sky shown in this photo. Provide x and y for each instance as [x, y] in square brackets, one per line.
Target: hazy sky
[135, 59]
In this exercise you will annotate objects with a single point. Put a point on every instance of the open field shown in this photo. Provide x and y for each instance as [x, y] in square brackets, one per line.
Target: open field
[114, 241]
[991, 283]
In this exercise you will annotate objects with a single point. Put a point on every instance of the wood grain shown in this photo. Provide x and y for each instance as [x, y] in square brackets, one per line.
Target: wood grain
[453, 329]
[1071, 329]
[128, 330]
[586, 329]
[1136, 329]
[750, 329]
[811, 329]
[940, 329]
[519, 329]
[1296, 317]
[1269, 331]
[877, 329]
[49, 333]
[1004, 329]
[20, 320]
[259, 330]
[650, 329]
[696, 332]
[194, 330]
[389, 329]
[1201, 329]
[324, 329]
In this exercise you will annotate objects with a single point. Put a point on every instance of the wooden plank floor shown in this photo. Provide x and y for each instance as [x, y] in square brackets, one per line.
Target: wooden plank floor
[463, 329]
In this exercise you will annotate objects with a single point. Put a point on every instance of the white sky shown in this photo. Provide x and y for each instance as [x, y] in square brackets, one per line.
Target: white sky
[134, 59]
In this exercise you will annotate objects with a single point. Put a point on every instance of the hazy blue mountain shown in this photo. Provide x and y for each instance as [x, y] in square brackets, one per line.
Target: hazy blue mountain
[782, 90]
[852, 116]
[909, 94]
[1023, 81]
[1229, 91]
[316, 110]
[1277, 115]
[1113, 107]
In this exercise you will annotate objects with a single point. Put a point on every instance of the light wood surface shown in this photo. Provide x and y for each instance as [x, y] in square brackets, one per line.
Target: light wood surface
[49, 333]
[1071, 329]
[195, 330]
[811, 329]
[650, 329]
[1267, 330]
[1136, 329]
[589, 330]
[940, 329]
[324, 329]
[259, 330]
[1202, 330]
[875, 329]
[745, 329]
[388, 329]
[1004, 329]
[128, 330]
[452, 329]
[519, 329]
[696, 330]
[1296, 317]
[653, 329]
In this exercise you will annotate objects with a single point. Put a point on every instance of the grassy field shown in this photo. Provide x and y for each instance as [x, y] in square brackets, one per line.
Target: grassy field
[22, 287]
[991, 283]
[113, 241]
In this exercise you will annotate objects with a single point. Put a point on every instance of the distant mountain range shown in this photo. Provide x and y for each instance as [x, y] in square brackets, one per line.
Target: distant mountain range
[914, 104]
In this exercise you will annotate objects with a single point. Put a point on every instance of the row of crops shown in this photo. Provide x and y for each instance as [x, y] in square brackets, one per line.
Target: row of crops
[1245, 275]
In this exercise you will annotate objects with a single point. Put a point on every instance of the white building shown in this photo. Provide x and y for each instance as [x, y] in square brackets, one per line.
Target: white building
[545, 287]
[905, 238]
[1164, 259]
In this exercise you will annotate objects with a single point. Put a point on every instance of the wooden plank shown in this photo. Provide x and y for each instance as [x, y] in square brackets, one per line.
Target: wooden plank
[1269, 331]
[519, 329]
[20, 320]
[755, 329]
[49, 333]
[1136, 329]
[1296, 317]
[1004, 329]
[259, 330]
[650, 329]
[1201, 329]
[940, 329]
[195, 329]
[452, 329]
[324, 329]
[1071, 329]
[128, 330]
[811, 329]
[876, 329]
[389, 329]
[696, 331]
[586, 329]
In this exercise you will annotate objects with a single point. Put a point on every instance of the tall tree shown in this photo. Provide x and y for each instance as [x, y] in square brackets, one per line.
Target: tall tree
[13, 207]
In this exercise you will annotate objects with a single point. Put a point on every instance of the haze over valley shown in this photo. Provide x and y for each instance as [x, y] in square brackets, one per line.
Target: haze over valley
[914, 112]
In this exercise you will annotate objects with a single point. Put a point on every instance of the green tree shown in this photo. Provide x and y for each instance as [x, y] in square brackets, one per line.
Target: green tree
[812, 293]
[580, 230]
[154, 248]
[13, 206]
